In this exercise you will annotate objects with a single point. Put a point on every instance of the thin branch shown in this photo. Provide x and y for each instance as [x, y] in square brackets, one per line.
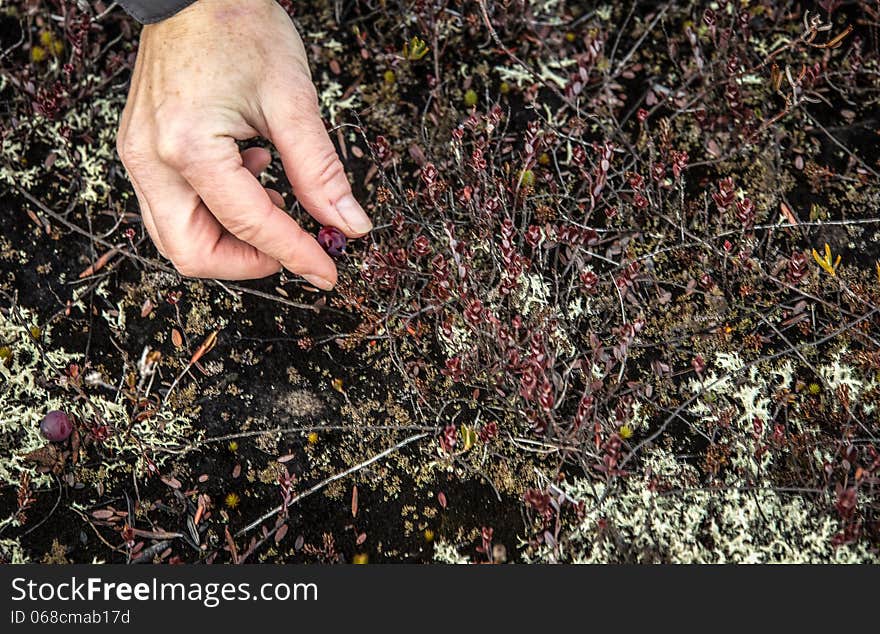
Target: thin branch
[324, 483]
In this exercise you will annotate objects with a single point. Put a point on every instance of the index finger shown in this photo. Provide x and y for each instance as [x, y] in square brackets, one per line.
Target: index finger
[241, 204]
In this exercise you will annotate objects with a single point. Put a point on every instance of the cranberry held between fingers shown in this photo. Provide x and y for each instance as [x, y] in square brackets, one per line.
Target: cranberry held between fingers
[56, 426]
[333, 241]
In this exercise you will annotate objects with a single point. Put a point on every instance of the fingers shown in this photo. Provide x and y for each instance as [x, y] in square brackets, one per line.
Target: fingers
[147, 218]
[255, 160]
[218, 174]
[143, 205]
[186, 231]
[310, 160]
[276, 197]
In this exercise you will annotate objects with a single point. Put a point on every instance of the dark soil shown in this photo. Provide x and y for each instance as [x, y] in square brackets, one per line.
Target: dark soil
[303, 386]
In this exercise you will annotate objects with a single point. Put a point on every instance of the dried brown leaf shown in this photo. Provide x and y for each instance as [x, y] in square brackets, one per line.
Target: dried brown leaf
[209, 342]
[100, 263]
[354, 501]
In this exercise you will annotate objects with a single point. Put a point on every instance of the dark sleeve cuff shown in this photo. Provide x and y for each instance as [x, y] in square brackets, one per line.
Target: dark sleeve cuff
[150, 11]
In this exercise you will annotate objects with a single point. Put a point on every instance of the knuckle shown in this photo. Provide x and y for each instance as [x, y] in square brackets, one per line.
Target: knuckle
[310, 95]
[123, 138]
[249, 226]
[129, 149]
[123, 146]
[301, 103]
[175, 141]
[290, 255]
[305, 94]
[169, 147]
[329, 168]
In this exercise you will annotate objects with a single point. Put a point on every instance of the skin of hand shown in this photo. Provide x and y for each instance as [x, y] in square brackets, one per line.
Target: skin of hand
[218, 72]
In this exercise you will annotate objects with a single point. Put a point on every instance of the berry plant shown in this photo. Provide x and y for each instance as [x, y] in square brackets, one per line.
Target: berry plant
[620, 302]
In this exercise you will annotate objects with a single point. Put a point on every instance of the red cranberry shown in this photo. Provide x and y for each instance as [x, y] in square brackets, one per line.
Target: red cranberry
[56, 426]
[333, 241]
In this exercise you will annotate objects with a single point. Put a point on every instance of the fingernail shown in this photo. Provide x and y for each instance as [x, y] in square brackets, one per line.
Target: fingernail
[320, 282]
[353, 214]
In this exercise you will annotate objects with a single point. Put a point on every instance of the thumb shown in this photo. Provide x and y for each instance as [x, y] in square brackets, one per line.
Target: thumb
[311, 163]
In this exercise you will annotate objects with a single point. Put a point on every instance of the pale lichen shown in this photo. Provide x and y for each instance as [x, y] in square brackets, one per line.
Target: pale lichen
[32, 383]
[682, 523]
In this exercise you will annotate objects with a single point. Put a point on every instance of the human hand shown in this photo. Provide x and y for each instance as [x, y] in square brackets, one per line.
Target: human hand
[217, 72]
